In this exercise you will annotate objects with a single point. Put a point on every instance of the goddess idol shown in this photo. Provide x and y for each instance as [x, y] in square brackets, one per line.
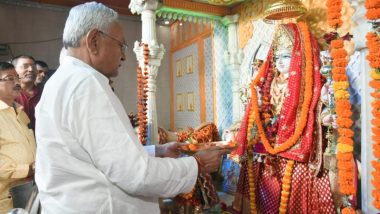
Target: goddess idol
[281, 134]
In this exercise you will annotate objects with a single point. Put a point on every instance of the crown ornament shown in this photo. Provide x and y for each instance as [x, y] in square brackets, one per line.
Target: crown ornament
[283, 39]
[284, 9]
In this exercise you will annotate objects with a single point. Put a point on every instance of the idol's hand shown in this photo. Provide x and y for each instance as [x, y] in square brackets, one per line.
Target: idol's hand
[209, 160]
[170, 149]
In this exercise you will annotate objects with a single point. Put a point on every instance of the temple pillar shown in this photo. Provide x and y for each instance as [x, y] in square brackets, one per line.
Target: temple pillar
[233, 57]
[156, 52]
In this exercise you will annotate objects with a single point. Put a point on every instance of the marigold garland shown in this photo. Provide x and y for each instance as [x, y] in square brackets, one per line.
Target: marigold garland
[251, 143]
[344, 156]
[286, 186]
[345, 143]
[373, 44]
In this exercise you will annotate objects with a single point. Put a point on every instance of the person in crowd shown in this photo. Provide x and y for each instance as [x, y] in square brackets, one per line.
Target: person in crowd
[42, 73]
[89, 160]
[30, 94]
[17, 144]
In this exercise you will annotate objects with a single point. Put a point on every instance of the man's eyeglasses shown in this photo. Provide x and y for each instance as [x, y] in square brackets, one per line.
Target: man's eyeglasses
[10, 79]
[26, 66]
[123, 46]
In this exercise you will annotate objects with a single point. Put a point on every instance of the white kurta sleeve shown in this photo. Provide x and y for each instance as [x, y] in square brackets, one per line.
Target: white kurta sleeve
[99, 123]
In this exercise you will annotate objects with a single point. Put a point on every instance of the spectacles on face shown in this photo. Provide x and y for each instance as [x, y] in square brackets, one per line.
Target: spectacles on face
[123, 46]
[10, 79]
[26, 66]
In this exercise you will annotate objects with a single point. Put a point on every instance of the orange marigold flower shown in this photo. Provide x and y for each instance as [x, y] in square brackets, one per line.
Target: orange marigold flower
[372, 4]
[348, 210]
[375, 94]
[346, 132]
[375, 104]
[344, 156]
[376, 130]
[337, 43]
[376, 165]
[344, 122]
[345, 113]
[376, 198]
[373, 13]
[338, 70]
[343, 104]
[341, 62]
[345, 140]
[330, 3]
[340, 77]
[375, 84]
[376, 182]
[338, 53]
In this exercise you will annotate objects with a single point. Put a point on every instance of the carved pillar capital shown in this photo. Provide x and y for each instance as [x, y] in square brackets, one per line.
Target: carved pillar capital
[230, 19]
[138, 6]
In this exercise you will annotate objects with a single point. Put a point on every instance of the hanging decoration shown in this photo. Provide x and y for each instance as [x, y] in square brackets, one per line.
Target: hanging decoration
[345, 158]
[373, 44]
[224, 2]
[142, 96]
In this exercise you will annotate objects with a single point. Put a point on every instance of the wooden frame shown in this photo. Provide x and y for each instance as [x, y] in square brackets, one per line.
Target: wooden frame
[180, 103]
[184, 66]
[178, 68]
[190, 101]
[190, 64]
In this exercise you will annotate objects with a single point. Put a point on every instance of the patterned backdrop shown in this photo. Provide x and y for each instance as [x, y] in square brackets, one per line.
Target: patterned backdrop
[209, 80]
[223, 79]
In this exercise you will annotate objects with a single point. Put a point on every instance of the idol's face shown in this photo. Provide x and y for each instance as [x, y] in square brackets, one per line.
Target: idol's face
[282, 59]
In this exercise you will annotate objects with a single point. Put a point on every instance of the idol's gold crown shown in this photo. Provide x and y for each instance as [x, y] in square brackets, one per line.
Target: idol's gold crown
[283, 9]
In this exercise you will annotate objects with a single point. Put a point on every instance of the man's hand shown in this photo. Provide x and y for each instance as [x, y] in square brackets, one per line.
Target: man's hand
[170, 149]
[209, 160]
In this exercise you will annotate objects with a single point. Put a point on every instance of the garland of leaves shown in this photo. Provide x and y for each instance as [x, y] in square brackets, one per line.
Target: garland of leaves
[345, 159]
[373, 44]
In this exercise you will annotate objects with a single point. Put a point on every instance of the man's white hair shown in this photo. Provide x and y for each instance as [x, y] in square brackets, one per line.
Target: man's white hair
[85, 17]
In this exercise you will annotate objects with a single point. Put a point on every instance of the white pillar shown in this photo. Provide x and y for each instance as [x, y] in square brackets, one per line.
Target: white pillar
[147, 10]
[233, 57]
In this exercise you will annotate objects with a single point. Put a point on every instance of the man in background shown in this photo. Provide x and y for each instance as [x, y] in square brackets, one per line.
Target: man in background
[89, 160]
[17, 145]
[30, 94]
[42, 73]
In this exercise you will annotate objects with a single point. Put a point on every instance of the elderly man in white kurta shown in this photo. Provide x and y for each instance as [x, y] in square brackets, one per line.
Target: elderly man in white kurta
[88, 158]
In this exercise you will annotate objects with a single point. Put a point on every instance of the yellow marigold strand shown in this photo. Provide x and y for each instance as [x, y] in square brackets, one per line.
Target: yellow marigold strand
[286, 186]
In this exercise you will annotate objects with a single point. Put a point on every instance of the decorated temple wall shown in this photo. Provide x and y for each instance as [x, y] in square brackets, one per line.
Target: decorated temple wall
[192, 75]
[186, 83]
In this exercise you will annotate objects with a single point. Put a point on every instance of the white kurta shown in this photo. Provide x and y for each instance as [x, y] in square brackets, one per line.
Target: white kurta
[89, 159]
